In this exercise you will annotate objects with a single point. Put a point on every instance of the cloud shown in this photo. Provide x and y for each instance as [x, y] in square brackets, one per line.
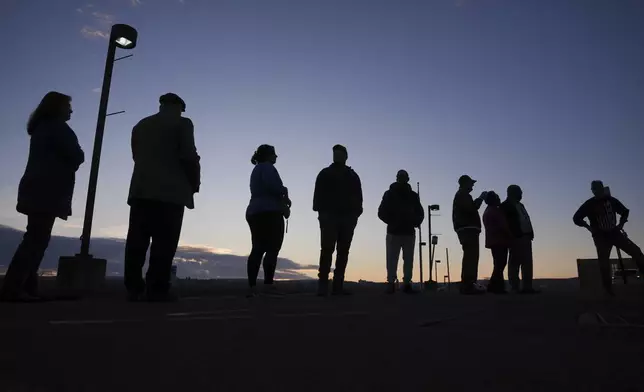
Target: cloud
[99, 22]
[90, 32]
[96, 90]
[193, 261]
[135, 3]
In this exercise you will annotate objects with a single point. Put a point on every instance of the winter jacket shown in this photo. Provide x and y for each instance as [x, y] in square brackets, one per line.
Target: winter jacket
[511, 211]
[465, 212]
[338, 191]
[166, 163]
[401, 210]
[267, 190]
[497, 230]
[47, 185]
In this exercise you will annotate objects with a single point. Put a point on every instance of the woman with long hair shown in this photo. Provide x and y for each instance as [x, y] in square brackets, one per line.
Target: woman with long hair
[45, 191]
[269, 206]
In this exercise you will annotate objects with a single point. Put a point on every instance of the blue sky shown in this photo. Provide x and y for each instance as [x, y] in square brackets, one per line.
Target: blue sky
[545, 94]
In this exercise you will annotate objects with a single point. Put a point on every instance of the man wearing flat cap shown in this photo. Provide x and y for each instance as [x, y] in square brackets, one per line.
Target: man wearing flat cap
[467, 225]
[165, 178]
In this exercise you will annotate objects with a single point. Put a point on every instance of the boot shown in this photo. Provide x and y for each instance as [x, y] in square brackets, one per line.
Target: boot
[338, 287]
[323, 288]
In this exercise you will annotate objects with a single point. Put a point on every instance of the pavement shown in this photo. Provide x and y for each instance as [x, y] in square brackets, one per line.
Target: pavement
[222, 341]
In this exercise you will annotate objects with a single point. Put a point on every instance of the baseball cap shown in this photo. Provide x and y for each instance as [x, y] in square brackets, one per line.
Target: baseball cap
[173, 98]
[465, 179]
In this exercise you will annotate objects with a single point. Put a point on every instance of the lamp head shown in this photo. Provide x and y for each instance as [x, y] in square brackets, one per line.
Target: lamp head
[434, 240]
[434, 207]
[124, 36]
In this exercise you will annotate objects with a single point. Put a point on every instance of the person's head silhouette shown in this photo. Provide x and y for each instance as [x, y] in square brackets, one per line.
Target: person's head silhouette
[340, 154]
[492, 199]
[53, 106]
[597, 187]
[402, 177]
[515, 193]
[171, 103]
[466, 182]
[264, 153]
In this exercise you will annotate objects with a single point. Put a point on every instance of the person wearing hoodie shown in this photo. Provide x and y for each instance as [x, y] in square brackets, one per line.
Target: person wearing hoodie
[521, 249]
[401, 210]
[337, 199]
[45, 192]
[498, 239]
[166, 176]
[269, 205]
[467, 225]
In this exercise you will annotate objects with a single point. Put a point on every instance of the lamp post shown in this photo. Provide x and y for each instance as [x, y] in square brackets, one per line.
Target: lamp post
[83, 270]
[430, 208]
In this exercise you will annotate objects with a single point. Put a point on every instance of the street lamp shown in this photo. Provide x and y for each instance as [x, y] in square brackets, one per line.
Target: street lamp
[430, 208]
[83, 270]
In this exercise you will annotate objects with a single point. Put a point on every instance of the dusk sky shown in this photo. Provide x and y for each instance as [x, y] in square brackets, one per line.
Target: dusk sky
[547, 94]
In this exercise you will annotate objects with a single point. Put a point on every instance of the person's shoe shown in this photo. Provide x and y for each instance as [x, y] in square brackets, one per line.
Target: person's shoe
[472, 290]
[391, 288]
[162, 297]
[252, 292]
[271, 291]
[496, 290]
[19, 298]
[529, 291]
[323, 288]
[408, 289]
[338, 288]
[135, 296]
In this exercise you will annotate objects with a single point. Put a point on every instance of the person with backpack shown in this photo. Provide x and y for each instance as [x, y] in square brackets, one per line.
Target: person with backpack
[402, 211]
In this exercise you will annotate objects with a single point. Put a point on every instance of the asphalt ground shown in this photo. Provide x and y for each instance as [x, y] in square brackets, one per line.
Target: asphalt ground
[222, 341]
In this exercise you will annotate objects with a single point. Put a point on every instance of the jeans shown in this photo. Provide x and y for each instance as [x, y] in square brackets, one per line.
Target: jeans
[336, 233]
[604, 243]
[394, 244]
[520, 260]
[500, 259]
[160, 223]
[469, 239]
[267, 234]
[22, 275]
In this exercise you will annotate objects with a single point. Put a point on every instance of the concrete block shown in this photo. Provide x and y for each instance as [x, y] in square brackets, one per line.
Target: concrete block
[80, 274]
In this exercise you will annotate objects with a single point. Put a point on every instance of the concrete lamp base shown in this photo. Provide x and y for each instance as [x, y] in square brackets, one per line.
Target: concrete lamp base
[80, 274]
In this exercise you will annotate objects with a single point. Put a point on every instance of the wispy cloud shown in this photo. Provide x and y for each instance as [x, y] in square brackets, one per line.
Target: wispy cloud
[99, 23]
[96, 90]
[135, 3]
[90, 32]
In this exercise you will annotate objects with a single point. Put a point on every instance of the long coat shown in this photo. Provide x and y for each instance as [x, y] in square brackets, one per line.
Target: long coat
[47, 185]
[166, 163]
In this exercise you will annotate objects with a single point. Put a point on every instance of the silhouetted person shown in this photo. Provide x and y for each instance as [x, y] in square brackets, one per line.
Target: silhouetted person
[521, 247]
[269, 205]
[498, 238]
[401, 210]
[165, 178]
[338, 201]
[45, 191]
[467, 224]
[601, 211]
